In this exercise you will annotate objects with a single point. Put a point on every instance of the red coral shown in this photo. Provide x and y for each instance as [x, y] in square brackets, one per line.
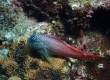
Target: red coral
[73, 20]
[40, 9]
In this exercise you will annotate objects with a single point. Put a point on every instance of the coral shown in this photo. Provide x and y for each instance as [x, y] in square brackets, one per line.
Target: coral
[8, 65]
[67, 20]
[9, 36]
[52, 10]
[14, 78]
[57, 29]
[3, 53]
[73, 20]
[31, 75]
[42, 10]
[79, 73]
[29, 25]
[3, 76]
[7, 17]
[97, 43]
[87, 18]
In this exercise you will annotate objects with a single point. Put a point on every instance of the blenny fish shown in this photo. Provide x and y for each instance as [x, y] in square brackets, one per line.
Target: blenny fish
[46, 45]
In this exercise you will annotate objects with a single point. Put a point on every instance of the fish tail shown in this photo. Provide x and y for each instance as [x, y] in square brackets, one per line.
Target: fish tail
[92, 56]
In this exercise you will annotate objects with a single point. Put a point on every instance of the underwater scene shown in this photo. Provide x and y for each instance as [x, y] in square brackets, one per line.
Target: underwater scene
[54, 39]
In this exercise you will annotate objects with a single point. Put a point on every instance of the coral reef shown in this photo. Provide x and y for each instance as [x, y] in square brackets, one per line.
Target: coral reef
[79, 73]
[7, 17]
[73, 19]
[81, 23]
[41, 10]
[3, 53]
[51, 10]
[3, 76]
[7, 66]
[30, 67]
[96, 43]
[29, 25]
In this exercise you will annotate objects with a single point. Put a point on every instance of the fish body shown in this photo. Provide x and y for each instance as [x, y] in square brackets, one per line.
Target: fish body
[49, 44]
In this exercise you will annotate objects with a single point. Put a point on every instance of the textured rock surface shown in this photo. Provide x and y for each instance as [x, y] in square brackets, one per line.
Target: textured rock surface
[85, 26]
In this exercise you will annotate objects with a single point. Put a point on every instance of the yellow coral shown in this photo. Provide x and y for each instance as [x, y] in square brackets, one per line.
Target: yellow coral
[31, 74]
[14, 78]
[8, 64]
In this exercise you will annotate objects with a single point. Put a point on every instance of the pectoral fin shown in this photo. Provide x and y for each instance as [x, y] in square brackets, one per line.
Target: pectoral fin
[45, 55]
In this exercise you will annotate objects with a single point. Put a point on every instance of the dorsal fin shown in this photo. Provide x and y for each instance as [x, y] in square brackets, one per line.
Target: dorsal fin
[56, 38]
